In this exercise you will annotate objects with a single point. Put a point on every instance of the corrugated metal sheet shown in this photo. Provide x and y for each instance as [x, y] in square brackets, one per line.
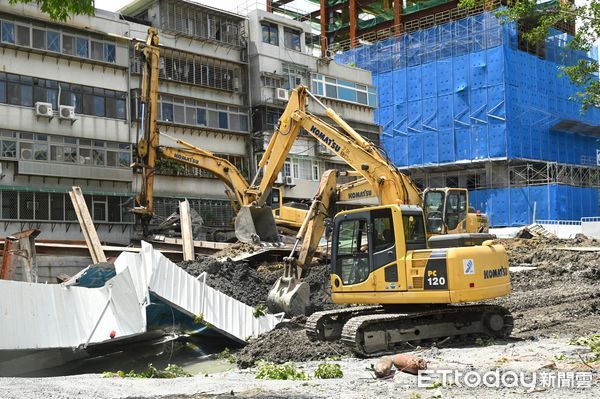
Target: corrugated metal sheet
[193, 297]
[45, 316]
[36, 316]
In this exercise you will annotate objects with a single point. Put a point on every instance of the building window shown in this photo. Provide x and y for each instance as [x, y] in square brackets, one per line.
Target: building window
[70, 150]
[8, 32]
[201, 71]
[302, 168]
[269, 81]
[49, 38]
[97, 50]
[38, 39]
[68, 45]
[53, 41]
[110, 53]
[23, 35]
[344, 90]
[187, 111]
[294, 77]
[26, 205]
[198, 23]
[270, 33]
[82, 47]
[291, 39]
[287, 169]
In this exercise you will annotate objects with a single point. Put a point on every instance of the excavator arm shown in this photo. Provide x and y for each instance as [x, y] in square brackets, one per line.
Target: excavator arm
[148, 127]
[389, 185]
[224, 170]
[289, 294]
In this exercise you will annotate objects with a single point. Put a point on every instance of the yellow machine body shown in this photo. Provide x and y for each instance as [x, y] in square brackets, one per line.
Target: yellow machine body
[380, 256]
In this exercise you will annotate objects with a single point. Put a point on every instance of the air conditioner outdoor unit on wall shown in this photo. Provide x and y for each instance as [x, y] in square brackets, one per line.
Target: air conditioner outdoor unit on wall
[289, 181]
[282, 94]
[66, 112]
[43, 109]
[26, 154]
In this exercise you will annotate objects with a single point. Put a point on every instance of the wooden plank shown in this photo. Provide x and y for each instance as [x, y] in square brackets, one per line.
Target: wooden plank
[87, 225]
[185, 219]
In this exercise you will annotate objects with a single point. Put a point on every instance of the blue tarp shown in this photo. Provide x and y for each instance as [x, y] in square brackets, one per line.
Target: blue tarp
[463, 91]
[514, 206]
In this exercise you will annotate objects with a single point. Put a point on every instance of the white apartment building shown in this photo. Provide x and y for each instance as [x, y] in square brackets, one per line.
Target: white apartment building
[68, 109]
[64, 121]
[279, 60]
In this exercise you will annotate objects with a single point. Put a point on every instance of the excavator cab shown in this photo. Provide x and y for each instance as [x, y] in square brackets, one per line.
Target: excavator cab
[446, 210]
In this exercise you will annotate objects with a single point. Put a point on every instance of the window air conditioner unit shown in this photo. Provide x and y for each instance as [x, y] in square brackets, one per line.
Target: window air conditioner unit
[26, 154]
[66, 112]
[289, 181]
[282, 94]
[43, 109]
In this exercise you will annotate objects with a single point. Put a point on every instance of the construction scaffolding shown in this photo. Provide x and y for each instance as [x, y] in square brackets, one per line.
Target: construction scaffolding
[470, 95]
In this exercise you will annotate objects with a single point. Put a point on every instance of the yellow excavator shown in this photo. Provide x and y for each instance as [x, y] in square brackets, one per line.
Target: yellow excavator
[446, 209]
[265, 223]
[380, 255]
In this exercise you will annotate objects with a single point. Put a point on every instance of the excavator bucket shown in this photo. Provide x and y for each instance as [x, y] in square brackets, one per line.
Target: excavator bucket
[254, 225]
[289, 295]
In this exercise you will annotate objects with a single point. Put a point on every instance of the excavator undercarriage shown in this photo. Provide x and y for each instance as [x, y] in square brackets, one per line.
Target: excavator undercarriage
[376, 330]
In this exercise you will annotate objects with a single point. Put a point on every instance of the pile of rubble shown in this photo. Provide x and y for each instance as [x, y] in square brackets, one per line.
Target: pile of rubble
[251, 283]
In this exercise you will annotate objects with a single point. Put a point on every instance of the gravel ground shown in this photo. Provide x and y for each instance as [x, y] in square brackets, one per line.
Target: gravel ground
[562, 295]
[560, 298]
[358, 382]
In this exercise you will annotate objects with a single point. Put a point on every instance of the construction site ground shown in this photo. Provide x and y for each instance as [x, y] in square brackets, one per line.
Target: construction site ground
[555, 298]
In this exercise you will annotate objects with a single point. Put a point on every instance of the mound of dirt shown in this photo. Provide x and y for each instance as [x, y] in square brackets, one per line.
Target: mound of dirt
[251, 285]
[236, 249]
[562, 295]
[288, 343]
[238, 280]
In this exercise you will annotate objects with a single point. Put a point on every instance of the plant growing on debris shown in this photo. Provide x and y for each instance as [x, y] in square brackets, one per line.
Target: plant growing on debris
[171, 371]
[329, 370]
[485, 341]
[272, 371]
[259, 311]
[227, 355]
[592, 342]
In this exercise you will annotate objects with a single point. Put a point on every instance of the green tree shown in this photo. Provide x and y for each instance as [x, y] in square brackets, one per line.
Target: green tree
[540, 18]
[61, 10]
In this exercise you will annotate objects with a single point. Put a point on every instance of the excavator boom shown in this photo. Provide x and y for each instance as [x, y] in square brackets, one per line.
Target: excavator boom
[288, 294]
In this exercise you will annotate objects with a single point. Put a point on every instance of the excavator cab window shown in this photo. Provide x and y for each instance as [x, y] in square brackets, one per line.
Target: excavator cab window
[384, 249]
[274, 198]
[414, 231]
[433, 206]
[456, 208]
[352, 251]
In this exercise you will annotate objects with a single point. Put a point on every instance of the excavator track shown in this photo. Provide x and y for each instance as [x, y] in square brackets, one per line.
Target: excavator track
[376, 334]
[327, 325]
